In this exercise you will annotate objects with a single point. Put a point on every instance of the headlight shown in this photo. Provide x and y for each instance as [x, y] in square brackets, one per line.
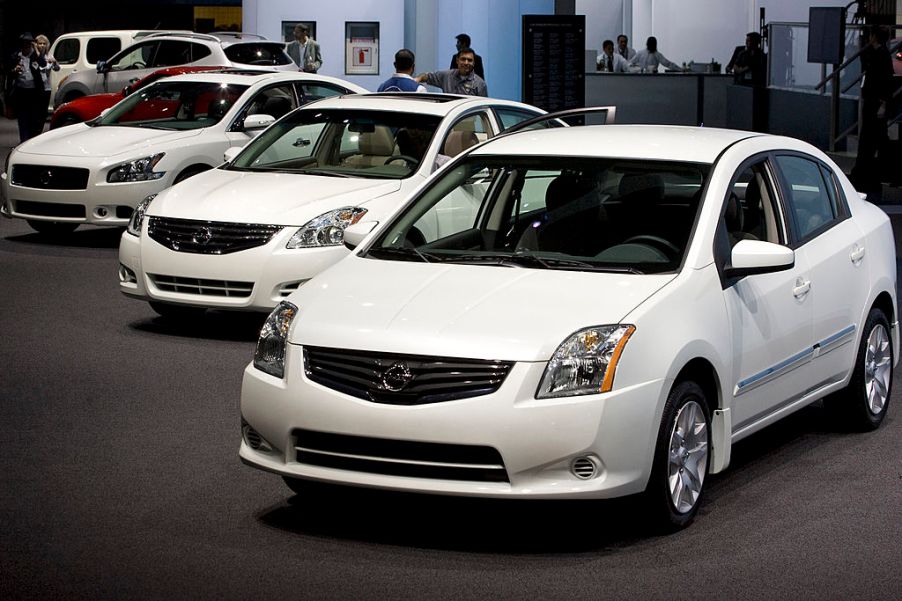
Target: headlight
[326, 230]
[269, 356]
[585, 362]
[139, 170]
[134, 224]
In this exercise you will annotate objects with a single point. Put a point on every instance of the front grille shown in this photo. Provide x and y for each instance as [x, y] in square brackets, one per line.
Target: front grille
[171, 283]
[47, 177]
[400, 457]
[403, 379]
[208, 237]
[49, 209]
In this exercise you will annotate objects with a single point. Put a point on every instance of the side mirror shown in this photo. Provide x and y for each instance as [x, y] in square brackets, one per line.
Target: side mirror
[751, 257]
[103, 66]
[229, 155]
[257, 122]
[357, 233]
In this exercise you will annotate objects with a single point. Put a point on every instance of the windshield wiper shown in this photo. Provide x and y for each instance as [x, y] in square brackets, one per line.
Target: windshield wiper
[521, 260]
[321, 171]
[405, 254]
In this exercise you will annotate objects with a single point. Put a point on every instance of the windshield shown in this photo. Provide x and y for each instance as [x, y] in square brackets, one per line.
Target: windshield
[551, 213]
[174, 105]
[259, 53]
[342, 143]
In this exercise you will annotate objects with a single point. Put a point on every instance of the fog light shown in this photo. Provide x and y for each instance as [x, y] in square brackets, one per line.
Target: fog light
[126, 275]
[253, 439]
[584, 468]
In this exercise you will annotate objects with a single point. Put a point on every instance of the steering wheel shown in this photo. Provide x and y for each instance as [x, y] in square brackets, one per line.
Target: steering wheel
[137, 65]
[403, 157]
[665, 246]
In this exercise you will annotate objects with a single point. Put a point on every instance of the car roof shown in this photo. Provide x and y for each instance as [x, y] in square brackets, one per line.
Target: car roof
[648, 142]
[409, 102]
[222, 38]
[252, 77]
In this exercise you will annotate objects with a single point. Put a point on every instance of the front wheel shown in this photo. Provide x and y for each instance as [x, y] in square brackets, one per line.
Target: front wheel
[680, 464]
[863, 403]
[52, 228]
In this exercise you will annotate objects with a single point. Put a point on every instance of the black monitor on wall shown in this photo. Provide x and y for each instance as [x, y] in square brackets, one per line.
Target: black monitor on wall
[826, 35]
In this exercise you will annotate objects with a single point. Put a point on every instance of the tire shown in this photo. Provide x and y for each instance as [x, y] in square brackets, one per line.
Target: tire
[680, 465]
[52, 228]
[177, 312]
[862, 405]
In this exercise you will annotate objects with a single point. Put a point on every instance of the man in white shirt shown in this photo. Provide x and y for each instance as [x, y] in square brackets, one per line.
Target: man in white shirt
[304, 51]
[647, 60]
[623, 47]
[609, 61]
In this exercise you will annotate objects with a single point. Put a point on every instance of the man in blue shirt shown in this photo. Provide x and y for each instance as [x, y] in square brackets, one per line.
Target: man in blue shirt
[402, 80]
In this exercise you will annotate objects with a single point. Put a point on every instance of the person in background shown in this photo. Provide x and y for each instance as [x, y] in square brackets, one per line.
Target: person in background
[876, 92]
[609, 61]
[304, 51]
[31, 87]
[750, 66]
[648, 60]
[623, 48]
[402, 80]
[463, 41]
[462, 80]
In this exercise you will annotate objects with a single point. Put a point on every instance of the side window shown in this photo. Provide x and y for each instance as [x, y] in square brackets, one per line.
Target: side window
[66, 51]
[467, 132]
[136, 57]
[510, 116]
[809, 198]
[751, 212]
[295, 144]
[199, 51]
[535, 188]
[101, 49]
[171, 53]
[276, 101]
[455, 207]
[317, 91]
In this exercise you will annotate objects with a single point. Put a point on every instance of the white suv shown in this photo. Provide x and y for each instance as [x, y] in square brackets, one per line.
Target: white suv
[156, 51]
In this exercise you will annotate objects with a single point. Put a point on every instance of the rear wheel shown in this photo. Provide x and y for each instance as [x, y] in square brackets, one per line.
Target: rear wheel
[863, 403]
[675, 489]
[52, 228]
[177, 312]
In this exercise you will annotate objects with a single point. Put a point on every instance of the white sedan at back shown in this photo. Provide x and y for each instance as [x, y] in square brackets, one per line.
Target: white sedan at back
[246, 235]
[618, 306]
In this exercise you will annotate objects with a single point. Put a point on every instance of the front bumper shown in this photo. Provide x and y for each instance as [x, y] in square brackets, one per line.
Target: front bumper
[537, 439]
[100, 203]
[256, 279]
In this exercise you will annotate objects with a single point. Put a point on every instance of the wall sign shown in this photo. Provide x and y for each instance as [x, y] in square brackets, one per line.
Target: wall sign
[553, 57]
[361, 48]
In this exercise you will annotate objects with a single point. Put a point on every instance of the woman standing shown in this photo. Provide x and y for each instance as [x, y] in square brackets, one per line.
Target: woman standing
[31, 89]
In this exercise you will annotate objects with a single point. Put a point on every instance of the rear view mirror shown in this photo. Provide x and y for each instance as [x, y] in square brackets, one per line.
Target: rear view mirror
[355, 234]
[229, 155]
[750, 257]
[258, 122]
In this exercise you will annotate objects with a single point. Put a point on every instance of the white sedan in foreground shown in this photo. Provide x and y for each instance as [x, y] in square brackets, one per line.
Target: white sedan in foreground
[97, 172]
[621, 305]
[246, 235]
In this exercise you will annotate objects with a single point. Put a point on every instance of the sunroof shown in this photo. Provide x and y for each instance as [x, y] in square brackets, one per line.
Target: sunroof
[421, 96]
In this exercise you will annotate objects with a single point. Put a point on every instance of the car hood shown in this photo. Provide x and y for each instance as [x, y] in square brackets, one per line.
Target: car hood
[105, 141]
[275, 198]
[474, 311]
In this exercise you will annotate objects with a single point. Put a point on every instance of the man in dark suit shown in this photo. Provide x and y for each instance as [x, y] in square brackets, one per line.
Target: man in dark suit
[463, 41]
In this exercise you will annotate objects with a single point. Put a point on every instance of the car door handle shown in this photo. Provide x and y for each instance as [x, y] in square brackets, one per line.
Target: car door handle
[857, 254]
[801, 288]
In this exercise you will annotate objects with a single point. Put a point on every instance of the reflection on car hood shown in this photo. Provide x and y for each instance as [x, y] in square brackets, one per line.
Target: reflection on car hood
[480, 312]
[275, 198]
[86, 141]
